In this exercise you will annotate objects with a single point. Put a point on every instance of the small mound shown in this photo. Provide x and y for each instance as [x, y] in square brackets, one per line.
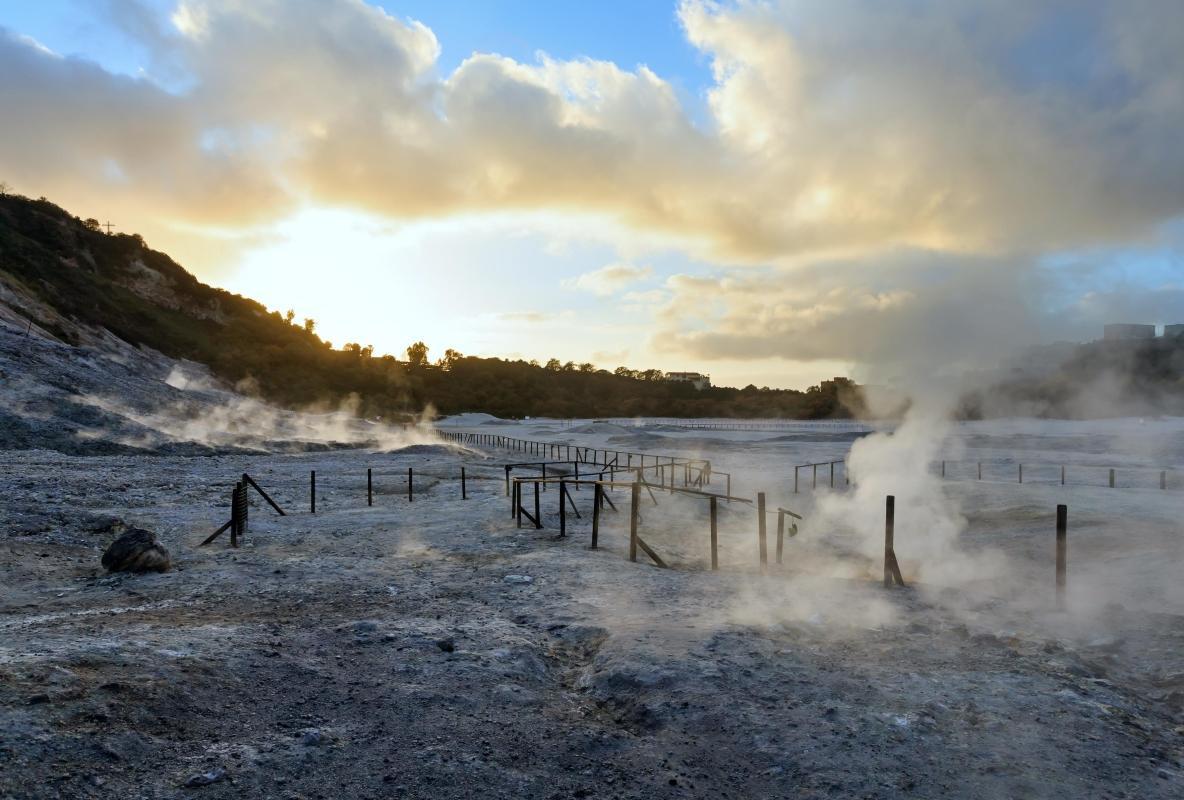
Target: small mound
[423, 450]
[468, 419]
[602, 428]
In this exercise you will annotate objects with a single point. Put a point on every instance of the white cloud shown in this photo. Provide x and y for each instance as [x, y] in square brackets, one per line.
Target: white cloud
[610, 279]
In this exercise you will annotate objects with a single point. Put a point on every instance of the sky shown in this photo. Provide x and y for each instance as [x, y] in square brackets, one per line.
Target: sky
[772, 192]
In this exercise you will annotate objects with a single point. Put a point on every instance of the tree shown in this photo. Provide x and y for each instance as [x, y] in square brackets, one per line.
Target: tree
[310, 325]
[91, 224]
[3, 188]
[554, 365]
[587, 367]
[417, 354]
[289, 315]
[450, 358]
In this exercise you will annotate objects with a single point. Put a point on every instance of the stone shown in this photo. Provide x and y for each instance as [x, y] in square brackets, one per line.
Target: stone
[206, 778]
[136, 551]
[313, 738]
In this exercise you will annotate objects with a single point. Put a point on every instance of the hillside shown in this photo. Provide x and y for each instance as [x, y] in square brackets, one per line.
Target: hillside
[66, 280]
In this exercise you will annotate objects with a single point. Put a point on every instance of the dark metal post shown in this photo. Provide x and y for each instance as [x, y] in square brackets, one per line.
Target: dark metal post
[508, 468]
[369, 486]
[889, 538]
[634, 517]
[464, 493]
[1111, 479]
[943, 467]
[760, 528]
[563, 508]
[980, 470]
[780, 533]
[410, 485]
[1163, 479]
[597, 493]
[1062, 551]
[832, 474]
[312, 493]
[1062, 474]
[815, 484]
[538, 518]
[795, 480]
[1021, 473]
[235, 513]
[714, 533]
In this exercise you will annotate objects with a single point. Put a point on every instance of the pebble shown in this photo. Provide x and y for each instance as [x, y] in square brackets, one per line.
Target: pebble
[518, 579]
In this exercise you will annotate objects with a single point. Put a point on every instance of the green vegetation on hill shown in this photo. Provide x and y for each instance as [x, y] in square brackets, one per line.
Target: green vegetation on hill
[92, 279]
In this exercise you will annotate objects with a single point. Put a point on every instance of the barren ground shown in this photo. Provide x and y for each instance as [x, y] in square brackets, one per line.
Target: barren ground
[396, 651]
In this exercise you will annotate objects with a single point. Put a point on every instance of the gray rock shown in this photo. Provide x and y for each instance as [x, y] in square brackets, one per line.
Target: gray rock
[136, 551]
[206, 778]
[313, 738]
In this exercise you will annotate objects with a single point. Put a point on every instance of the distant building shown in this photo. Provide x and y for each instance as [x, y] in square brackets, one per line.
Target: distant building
[1127, 332]
[1170, 331]
[698, 380]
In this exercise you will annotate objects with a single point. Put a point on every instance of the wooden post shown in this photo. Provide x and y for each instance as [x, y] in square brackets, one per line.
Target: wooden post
[761, 528]
[508, 468]
[1062, 474]
[980, 470]
[943, 467]
[312, 491]
[891, 567]
[780, 533]
[729, 487]
[1062, 552]
[815, 484]
[517, 491]
[832, 474]
[562, 508]
[410, 485]
[634, 518]
[1021, 473]
[597, 495]
[714, 533]
[1111, 479]
[464, 493]
[369, 486]
[538, 518]
[795, 480]
[235, 512]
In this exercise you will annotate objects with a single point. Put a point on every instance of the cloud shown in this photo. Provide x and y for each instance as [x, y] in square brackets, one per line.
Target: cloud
[873, 180]
[610, 279]
[834, 128]
[529, 317]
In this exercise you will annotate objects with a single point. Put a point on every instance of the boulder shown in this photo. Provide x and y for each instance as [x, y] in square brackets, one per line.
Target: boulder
[136, 551]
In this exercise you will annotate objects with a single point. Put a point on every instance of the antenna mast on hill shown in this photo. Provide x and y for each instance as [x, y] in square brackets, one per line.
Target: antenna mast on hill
[107, 225]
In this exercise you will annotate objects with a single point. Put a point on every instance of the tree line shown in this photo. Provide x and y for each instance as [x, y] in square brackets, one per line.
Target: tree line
[95, 279]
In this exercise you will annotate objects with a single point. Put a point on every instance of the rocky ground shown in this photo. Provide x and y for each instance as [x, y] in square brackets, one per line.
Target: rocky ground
[432, 649]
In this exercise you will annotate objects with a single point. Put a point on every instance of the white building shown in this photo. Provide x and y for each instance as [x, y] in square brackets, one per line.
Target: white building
[698, 380]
